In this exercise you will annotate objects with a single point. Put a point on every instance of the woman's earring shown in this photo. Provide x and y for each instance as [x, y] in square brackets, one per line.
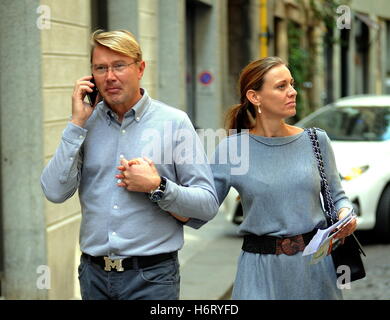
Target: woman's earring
[258, 108]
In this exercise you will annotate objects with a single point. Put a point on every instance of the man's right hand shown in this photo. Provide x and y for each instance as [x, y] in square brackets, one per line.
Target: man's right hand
[81, 110]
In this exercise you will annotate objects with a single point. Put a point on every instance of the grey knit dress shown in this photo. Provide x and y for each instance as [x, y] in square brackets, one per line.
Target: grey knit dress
[279, 185]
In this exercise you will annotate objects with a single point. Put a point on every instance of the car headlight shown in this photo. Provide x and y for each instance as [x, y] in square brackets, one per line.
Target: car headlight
[355, 172]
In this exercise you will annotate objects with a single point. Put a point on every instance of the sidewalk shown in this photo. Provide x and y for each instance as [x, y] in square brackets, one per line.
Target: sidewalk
[208, 260]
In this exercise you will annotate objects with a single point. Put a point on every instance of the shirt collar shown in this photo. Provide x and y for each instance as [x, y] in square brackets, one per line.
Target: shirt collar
[141, 106]
[137, 111]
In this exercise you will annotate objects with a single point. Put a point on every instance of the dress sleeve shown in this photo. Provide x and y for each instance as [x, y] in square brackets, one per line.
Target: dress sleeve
[339, 197]
[221, 171]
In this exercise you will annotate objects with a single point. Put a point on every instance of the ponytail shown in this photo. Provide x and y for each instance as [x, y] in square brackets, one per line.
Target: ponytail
[240, 116]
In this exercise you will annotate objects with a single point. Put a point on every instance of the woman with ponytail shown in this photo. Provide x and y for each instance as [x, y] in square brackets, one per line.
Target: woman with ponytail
[280, 190]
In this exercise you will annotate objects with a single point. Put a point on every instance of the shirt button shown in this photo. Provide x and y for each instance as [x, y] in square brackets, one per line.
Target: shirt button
[115, 207]
[114, 233]
[119, 181]
[123, 131]
[121, 156]
[81, 137]
[137, 118]
[71, 158]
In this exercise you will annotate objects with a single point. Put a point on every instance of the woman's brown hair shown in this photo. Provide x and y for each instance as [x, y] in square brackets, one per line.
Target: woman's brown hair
[242, 115]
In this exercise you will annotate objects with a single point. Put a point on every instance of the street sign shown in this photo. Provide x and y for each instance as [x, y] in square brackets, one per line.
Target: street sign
[206, 78]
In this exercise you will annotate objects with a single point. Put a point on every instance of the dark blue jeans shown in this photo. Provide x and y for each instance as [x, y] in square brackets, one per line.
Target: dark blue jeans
[158, 282]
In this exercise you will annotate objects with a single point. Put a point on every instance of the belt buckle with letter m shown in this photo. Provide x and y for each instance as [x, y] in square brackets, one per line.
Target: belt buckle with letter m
[116, 264]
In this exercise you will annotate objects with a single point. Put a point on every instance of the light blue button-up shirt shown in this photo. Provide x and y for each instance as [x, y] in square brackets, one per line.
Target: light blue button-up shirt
[119, 223]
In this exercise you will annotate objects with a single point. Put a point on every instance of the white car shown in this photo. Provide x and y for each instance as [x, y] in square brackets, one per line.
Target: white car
[359, 128]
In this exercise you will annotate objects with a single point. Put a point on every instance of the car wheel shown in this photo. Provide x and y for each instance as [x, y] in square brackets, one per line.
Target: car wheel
[382, 225]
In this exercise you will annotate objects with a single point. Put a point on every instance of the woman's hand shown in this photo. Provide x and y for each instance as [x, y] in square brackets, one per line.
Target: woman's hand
[347, 229]
[180, 218]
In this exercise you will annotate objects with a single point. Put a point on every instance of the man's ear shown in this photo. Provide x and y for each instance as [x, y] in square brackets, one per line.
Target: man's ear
[253, 97]
[141, 69]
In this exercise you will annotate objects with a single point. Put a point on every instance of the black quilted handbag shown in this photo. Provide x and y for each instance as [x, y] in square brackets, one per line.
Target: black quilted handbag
[349, 253]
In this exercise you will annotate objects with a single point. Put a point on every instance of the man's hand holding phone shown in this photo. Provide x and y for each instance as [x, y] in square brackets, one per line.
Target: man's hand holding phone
[82, 110]
[94, 95]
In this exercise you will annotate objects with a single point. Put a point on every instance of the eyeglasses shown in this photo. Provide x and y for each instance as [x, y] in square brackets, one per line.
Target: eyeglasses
[117, 68]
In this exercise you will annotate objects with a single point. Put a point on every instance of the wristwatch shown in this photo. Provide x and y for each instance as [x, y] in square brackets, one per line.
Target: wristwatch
[157, 195]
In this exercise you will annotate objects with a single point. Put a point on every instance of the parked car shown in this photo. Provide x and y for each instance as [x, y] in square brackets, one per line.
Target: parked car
[359, 128]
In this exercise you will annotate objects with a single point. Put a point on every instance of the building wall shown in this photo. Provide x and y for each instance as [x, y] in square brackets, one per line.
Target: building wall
[65, 58]
[377, 57]
[209, 51]
[380, 8]
[21, 134]
[172, 53]
[148, 23]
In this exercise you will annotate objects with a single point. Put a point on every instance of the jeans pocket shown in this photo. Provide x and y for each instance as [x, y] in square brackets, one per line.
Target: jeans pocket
[82, 267]
[166, 272]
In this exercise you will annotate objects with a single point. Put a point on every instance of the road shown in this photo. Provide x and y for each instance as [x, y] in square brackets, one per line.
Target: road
[376, 284]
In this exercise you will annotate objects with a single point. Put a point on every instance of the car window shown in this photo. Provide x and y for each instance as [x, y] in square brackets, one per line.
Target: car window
[353, 123]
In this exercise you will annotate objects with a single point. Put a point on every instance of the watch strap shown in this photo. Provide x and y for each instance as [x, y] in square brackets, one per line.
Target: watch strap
[158, 193]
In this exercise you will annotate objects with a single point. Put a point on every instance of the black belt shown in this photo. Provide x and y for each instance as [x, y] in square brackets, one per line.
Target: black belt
[134, 262]
[274, 245]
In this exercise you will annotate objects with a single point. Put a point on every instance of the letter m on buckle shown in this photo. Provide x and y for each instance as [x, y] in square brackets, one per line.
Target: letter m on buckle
[116, 264]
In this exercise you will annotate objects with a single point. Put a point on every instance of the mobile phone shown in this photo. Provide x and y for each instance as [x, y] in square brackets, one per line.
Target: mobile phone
[93, 95]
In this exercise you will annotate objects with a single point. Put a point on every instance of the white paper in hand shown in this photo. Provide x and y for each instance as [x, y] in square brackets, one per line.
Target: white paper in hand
[315, 242]
[322, 238]
[321, 253]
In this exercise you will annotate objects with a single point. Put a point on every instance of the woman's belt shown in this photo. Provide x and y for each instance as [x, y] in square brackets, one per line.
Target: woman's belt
[274, 245]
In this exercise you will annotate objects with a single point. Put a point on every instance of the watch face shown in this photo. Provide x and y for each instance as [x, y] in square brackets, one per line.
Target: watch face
[157, 195]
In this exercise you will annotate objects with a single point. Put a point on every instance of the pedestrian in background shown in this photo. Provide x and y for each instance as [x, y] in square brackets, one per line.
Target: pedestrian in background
[128, 238]
[280, 193]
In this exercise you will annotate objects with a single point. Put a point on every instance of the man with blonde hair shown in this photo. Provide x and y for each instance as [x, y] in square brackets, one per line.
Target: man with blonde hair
[124, 155]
